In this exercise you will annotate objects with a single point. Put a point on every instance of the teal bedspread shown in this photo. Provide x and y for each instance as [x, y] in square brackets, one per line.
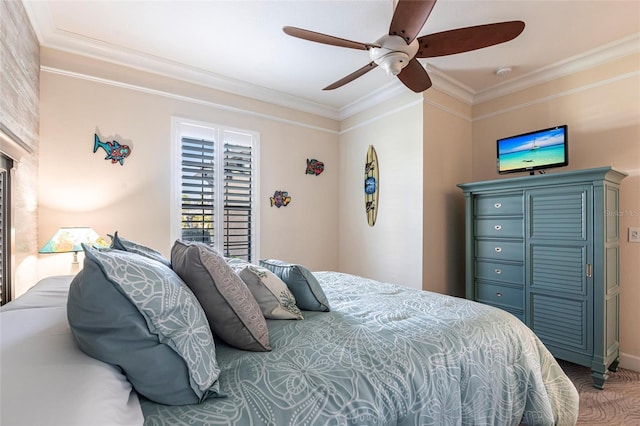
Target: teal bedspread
[387, 355]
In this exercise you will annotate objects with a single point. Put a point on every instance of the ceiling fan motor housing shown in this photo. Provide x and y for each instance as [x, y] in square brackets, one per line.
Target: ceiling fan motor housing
[394, 53]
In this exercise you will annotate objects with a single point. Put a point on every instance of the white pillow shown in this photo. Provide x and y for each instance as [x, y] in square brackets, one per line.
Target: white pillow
[274, 297]
[42, 365]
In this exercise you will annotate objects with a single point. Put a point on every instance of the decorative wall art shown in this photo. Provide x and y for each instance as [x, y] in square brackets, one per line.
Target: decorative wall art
[115, 152]
[280, 198]
[314, 167]
[371, 185]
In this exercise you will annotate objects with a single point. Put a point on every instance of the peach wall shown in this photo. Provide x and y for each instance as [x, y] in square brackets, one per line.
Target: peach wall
[391, 250]
[78, 187]
[426, 145]
[423, 144]
[601, 107]
[447, 144]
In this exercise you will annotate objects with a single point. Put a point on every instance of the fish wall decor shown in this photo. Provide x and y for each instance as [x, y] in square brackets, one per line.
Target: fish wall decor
[115, 152]
[314, 167]
[280, 198]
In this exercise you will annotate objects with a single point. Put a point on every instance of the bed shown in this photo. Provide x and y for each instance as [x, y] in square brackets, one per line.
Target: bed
[383, 355]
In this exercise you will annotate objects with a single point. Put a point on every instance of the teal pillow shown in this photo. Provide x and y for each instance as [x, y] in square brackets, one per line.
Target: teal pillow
[136, 313]
[304, 286]
[120, 243]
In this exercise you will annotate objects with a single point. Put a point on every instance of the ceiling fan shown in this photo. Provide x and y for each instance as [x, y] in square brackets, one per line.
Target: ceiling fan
[398, 51]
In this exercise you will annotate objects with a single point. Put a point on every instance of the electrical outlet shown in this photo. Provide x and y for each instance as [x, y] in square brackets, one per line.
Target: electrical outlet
[634, 235]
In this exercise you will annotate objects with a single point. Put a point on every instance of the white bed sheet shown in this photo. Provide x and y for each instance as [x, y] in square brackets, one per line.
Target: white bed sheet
[43, 371]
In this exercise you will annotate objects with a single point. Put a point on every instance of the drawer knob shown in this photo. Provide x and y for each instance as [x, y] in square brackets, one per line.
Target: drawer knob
[498, 271]
[497, 205]
[497, 227]
[498, 249]
[499, 294]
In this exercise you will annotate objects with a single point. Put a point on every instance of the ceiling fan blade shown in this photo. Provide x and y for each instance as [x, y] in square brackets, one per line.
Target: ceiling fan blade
[360, 72]
[409, 18]
[415, 77]
[467, 39]
[326, 39]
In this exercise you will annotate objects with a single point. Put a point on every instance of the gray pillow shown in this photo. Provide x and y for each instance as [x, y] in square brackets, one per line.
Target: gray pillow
[304, 286]
[271, 293]
[134, 312]
[120, 243]
[233, 313]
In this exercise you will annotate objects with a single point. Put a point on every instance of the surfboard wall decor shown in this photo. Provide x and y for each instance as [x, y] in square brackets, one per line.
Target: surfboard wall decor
[371, 185]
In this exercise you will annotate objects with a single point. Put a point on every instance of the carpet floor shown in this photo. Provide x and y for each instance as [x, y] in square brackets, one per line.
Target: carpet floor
[618, 404]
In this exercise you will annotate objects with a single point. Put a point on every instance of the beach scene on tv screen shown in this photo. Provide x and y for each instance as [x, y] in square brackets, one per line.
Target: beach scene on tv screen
[533, 150]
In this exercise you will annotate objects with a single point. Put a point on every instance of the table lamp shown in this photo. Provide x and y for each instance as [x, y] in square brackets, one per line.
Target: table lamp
[69, 239]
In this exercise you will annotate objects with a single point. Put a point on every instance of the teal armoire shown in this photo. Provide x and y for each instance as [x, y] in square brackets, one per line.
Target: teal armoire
[546, 248]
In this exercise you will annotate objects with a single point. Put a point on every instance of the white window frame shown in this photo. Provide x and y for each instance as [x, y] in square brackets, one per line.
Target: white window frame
[182, 127]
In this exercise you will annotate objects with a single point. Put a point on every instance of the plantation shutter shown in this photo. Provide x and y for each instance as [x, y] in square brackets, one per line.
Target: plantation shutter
[5, 226]
[198, 197]
[238, 201]
[218, 192]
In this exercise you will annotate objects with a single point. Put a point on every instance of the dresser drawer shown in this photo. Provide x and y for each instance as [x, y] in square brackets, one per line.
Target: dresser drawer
[499, 227]
[500, 272]
[511, 204]
[495, 294]
[500, 250]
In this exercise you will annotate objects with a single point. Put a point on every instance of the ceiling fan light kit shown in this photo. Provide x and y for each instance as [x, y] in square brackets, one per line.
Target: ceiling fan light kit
[397, 52]
[503, 71]
[394, 53]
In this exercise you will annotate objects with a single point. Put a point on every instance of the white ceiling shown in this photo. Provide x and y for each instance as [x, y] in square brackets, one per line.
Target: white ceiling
[239, 45]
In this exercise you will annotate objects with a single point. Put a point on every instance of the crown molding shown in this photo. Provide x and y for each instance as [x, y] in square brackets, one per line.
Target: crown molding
[450, 85]
[52, 37]
[598, 56]
[458, 90]
[384, 93]
[160, 66]
[440, 80]
[181, 98]
[49, 36]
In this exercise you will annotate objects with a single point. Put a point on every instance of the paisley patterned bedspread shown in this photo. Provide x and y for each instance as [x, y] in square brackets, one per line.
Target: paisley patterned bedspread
[387, 355]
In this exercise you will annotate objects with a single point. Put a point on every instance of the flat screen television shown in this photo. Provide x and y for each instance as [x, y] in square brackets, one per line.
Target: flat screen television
[528, 152]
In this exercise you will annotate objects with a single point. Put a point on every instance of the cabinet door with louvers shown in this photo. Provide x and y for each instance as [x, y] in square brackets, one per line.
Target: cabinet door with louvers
[558, 248]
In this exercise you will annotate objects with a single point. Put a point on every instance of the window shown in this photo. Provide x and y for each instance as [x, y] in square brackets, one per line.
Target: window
[5, 226]
[218, 189]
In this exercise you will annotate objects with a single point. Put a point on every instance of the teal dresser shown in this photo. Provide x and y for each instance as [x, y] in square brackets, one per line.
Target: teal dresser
[546, 249]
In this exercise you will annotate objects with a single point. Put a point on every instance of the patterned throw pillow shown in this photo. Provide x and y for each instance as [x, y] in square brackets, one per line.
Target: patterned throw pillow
[134, 312]
[233, 313]
[236, 264]
[120, 243]
[271, 293]
[304, 286]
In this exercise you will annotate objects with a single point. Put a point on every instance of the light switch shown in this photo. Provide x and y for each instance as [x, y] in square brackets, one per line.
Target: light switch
[634, 235]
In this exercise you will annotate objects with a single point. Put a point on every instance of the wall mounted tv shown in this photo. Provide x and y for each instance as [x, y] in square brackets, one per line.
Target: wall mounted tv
[533, 151]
